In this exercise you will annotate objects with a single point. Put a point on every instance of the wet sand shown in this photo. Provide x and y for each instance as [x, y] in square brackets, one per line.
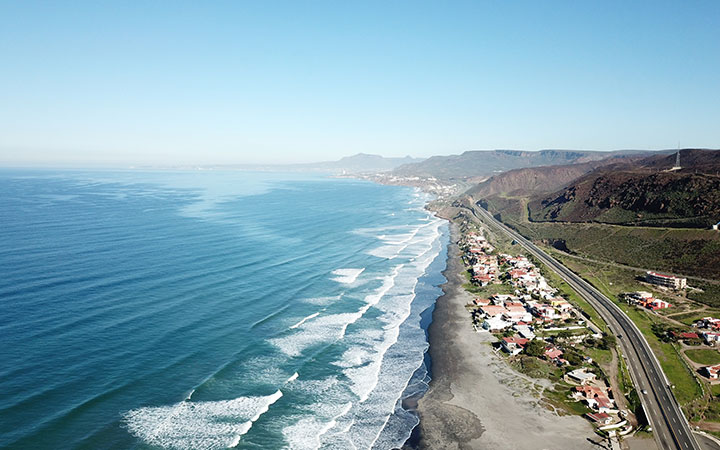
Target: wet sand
[475, 400]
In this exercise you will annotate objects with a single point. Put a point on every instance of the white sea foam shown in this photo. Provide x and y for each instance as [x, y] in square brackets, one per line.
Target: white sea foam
[322, 301]
[305, 320]
[354, 356]
[329, 425]
[398, 238]
[371, 383]
[347, 276]
[315, 388]
[324, 329]
[372, 231]
[365, 376]
[308, 431]
[395, 244]
[388, 283]
[364, 362]
[328, 413]
[192, 425]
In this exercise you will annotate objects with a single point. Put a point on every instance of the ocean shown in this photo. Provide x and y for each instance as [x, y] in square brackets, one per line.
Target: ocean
[210, 309]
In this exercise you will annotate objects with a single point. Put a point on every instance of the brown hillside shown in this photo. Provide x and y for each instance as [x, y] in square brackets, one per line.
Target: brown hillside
[534, 180]
[641, 192]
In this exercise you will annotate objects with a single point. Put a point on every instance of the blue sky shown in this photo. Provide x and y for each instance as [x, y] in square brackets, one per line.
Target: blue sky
[268, 81]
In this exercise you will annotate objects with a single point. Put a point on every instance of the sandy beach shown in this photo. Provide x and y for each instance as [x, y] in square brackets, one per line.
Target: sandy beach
[475, 399]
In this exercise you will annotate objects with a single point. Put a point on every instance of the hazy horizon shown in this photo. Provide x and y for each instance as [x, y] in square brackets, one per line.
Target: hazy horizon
[113, 84]
[257, 165]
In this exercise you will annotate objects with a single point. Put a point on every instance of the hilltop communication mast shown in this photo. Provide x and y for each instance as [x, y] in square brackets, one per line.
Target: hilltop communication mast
[677, 162]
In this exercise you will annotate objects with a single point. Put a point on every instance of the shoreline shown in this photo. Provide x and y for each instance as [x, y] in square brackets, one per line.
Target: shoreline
[474, 399]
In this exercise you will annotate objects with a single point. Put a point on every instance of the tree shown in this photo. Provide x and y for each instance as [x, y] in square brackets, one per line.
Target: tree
[536, 347]
[607, 342]
[573, 356]
[564, 334]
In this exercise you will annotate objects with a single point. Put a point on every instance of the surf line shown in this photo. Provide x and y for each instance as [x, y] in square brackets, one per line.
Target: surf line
[305, 320]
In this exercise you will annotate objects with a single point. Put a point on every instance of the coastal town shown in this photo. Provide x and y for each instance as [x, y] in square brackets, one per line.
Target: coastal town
[532, 319]
[537, 326]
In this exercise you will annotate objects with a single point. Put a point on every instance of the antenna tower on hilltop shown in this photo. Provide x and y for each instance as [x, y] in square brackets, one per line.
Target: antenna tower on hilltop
[677, 162]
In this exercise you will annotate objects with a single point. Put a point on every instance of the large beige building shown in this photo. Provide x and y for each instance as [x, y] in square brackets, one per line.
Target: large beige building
[666, 280]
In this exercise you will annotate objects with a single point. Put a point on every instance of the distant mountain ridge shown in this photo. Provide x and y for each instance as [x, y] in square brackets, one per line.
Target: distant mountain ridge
[477, 163]
[643, 192]
[365, 163]
[361, 163]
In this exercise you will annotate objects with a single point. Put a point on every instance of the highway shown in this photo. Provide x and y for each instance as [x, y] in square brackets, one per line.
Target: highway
[669, 425]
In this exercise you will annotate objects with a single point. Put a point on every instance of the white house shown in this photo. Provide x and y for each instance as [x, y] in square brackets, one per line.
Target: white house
[496, 323]
[581, 376]
[513, 345]
[711, 338]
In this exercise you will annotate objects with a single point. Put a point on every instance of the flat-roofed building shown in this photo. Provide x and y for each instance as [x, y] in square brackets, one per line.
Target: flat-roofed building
[582, 376]
[666, 280]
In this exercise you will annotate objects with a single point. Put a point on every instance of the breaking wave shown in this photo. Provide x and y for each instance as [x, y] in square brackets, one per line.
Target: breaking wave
[357, 355]
[347, 276]
[193, 425]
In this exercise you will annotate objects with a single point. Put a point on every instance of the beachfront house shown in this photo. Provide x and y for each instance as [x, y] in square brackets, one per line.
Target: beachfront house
[482, 279]
[602, 404]
[581, 376]
[524, 331]
[585, 391]
[595, 397]
[517, 313]
[513, 345]
[600, 418]
[492, 310]
[496, 324]
[553, 354]
[481, 301]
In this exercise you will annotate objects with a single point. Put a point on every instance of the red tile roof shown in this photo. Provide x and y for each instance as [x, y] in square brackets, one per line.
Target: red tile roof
[685, 335]
[598, 417]
[603, 402]
[493, 310]
[589, 391]
[515, 340]
[553, 353]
